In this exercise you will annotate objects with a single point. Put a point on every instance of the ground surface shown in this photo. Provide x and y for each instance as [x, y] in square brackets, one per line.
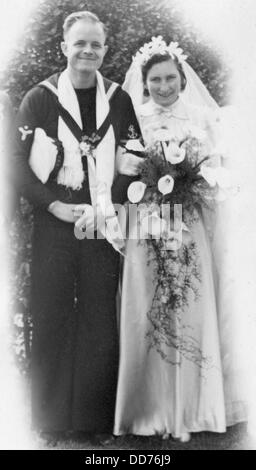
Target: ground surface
[236, 438]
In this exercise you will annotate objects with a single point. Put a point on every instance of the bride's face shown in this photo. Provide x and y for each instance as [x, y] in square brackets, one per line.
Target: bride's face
[164, 83]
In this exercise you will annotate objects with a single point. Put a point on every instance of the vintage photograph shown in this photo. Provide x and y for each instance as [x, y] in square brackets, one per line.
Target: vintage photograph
[127, 225]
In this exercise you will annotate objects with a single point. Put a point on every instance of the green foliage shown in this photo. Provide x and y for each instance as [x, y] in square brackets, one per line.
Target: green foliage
[131, 23]
[20, 251]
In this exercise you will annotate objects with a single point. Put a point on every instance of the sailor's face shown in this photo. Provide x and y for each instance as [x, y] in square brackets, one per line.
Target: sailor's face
[84, 46]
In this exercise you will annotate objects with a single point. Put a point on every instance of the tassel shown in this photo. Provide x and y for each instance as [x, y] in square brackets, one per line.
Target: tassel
[71, 174]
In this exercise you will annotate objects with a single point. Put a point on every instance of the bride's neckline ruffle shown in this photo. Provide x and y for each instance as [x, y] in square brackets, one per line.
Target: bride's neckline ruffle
[177, 109]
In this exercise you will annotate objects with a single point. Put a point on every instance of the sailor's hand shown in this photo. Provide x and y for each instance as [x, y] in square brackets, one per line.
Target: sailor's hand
[85, 218]
[63, 211]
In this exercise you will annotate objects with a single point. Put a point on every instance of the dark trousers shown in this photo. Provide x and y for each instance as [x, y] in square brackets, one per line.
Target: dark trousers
[75, 340]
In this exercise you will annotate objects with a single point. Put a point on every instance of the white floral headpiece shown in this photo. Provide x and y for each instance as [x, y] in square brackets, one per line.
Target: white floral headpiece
[158, 46]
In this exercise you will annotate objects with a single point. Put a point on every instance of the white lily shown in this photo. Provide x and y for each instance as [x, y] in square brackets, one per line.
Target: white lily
[136, 191]
[208, 174]
[165, 184]
[219, 175]
[173, 153]
[153, 225]
[134, 145]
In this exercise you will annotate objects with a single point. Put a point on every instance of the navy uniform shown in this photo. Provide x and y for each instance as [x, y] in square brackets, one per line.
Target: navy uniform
[74, 282]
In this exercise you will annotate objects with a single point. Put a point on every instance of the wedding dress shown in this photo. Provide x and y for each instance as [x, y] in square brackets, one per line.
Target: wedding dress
[189, 392]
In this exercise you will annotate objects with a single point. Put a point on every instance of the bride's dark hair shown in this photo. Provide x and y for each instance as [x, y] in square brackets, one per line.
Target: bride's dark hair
[157, 59]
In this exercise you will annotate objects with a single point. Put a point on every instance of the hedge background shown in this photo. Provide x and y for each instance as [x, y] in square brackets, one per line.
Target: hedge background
[131, 23]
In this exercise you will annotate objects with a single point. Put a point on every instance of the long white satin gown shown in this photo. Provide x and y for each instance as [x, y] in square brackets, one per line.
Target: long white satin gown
[155, 396]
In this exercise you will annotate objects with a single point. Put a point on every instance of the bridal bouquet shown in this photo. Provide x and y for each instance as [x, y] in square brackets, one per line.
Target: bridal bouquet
[176, 172]
[175, 182]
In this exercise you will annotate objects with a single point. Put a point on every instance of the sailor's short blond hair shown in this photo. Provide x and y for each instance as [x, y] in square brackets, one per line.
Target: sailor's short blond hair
[82, 15]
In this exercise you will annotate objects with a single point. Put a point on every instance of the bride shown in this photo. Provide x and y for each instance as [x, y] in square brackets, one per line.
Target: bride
[184, 393]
